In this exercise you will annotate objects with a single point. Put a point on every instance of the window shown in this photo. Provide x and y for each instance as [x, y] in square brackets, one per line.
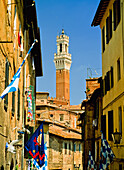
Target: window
[116, 11]
[110, 125]
[13, 103]
[65, 148]
[75, 122]
[120, 166]
[66, 48]
[97, 109]
[6, 82]
[118, 70]
[112, 79]
[103, 39]
[103, 125]
[69, 149]
[107, 39]
[74, 147]
[105, 84]
[61, 117]
[60, 48]
[109, 27]
[108, 80]
[51, 115]
[18, 111]
[79, 147]
[120, 119]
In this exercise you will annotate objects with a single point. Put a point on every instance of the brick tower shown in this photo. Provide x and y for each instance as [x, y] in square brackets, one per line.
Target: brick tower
[62, 60]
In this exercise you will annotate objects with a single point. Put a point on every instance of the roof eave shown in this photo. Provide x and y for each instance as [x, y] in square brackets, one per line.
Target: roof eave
[100, 12]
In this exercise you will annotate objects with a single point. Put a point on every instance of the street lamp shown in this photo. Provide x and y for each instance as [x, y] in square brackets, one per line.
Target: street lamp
[116, 137]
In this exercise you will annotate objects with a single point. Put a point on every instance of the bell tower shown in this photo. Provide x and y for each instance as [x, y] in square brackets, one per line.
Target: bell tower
[62, 60]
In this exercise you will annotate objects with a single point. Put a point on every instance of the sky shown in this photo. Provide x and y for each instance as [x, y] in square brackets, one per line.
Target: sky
[75, 17]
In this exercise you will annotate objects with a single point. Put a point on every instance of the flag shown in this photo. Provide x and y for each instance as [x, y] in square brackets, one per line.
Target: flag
[91, 163]
[44, 167]
[106, 154]
[13, 86]
[30, 108]
[35, 146]
[19, 38]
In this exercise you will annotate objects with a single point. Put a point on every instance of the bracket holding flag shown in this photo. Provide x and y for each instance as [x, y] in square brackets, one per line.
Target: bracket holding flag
[35, 146]
[13, 86]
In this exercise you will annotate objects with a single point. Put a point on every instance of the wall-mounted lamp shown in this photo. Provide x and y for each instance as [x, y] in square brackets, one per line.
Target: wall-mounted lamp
[116, 137]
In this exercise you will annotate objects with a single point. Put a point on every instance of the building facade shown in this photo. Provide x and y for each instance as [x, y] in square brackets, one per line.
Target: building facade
[109, 16]
[62, 135]
[91, 121]
[17, 33]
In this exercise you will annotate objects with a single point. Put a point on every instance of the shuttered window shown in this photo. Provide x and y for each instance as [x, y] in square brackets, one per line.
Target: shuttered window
[109, 27]
[118, 69]
[74, 147]
[103, 125]
[110, 125]
[108, 81]
[112, 77]
[116, 11]
[69, 149]
[65, 148]
[120, 119]
[18, 111]
[110, 24]
[6, 81]
[13, 103]
[107, 38]
[103, 39]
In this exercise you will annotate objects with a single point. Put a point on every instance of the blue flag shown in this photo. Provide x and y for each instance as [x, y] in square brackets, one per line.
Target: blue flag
[13, 86]
[35, 146]
[44, 167]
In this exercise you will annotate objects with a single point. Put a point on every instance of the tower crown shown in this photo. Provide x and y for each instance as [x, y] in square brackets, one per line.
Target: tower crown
[62, 58]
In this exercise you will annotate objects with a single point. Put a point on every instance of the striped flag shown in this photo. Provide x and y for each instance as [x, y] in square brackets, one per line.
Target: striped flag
[91, 163]
[106, 154]
[13, 86]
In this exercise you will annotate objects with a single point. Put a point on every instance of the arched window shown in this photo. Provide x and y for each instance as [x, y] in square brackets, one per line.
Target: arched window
[60, 48]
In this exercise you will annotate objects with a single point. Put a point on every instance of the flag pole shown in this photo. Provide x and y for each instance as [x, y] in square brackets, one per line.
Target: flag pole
[13, 86]
[35, 41]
